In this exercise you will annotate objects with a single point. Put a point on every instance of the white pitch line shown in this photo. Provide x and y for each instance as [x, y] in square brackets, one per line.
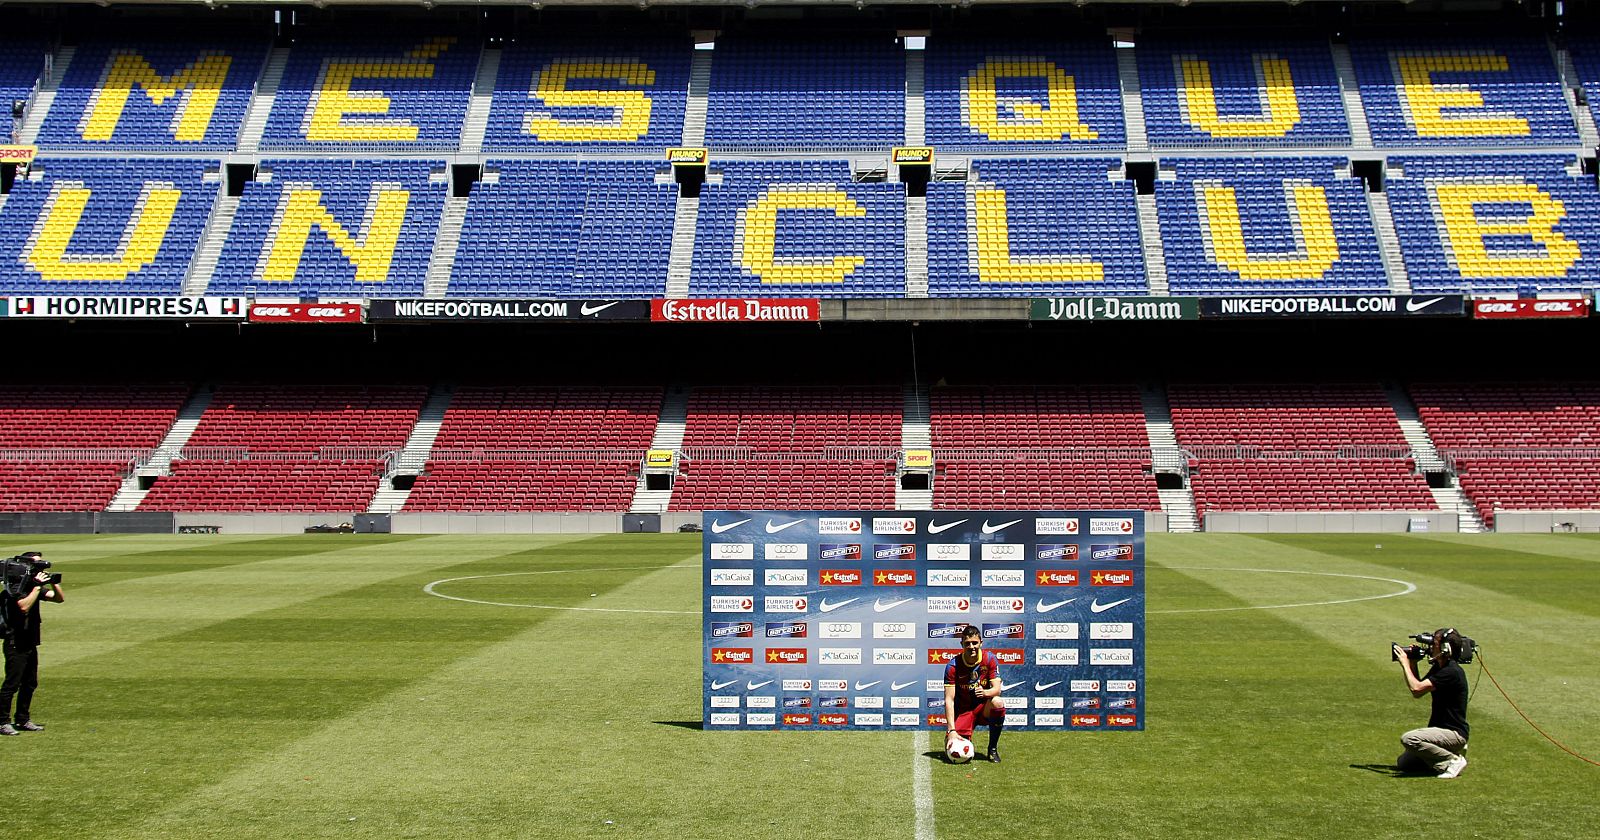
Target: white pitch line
[1409, 588]
[431, 591]
[922, 785]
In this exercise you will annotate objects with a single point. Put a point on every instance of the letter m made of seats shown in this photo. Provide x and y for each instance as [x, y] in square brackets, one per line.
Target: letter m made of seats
[300, 208]
[196, 88]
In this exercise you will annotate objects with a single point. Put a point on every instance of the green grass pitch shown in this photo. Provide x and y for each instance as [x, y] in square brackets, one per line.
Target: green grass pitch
[308, 686]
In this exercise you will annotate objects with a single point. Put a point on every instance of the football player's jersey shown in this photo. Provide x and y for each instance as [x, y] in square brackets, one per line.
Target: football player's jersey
[964, 677]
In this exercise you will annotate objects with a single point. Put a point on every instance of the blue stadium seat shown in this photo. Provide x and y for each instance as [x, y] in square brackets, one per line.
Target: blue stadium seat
[1491, 92]
[95, 227]
[1585, 53]
[1035, 227]
[334, 228]
[1501, 223]
[1021, 95]
[616, 94]
[1267, 226]
[172, 95]
[823, 93]
[566, 229]
[1235, 93]
[21, 63]
[390, 94]
[798, 229]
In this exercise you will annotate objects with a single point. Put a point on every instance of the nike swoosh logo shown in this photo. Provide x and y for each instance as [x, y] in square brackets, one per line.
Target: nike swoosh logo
[990, 529]
[939, 529]
[586, 309]
[1005, 686]
[1039, 686]
[1414, 305]
[861, 687]
[1041, 606]
[752, 686]
[718, 686]
[880, 606]
[1098, 607]
[773, 527]
[827, 607]
[896, 686]
[718, 527]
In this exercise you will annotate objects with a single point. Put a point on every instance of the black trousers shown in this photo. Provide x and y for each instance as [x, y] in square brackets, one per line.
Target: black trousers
[22, 677]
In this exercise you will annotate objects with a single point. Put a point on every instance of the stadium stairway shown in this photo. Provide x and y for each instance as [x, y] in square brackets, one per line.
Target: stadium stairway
[1132, 100]
[445, 245]
[916, 432]
[916, 104]
[131, 493]
[255, 121]
[916, 246]
[28, 132]
[694, 109]
[1572, 85]
[419, 445]
[1167, 457]
[1388, 243]
[477, 122]
[1350, 89]
[668, 435]
[204, 265]
[1155, 259]
[681, 260]
[1426, 455]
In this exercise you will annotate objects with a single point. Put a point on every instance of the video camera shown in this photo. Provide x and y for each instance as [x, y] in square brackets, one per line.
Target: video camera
[17, 574]
[1462, 649]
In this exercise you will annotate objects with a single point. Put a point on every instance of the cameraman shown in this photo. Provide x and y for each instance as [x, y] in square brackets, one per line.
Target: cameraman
[1440, 746]
[22, 647]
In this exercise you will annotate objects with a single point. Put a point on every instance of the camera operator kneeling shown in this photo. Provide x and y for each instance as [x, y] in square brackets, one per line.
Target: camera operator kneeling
[1439, 747]
[26, 584]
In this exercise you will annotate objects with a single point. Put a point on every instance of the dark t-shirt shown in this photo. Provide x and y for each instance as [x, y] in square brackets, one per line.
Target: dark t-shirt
[1449, 697]
[22, 628]
[964, 676]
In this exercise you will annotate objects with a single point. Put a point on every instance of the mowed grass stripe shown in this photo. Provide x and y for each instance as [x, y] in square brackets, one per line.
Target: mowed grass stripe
[580, 719]
[1538, 647]
[184, 710]
[98, 562]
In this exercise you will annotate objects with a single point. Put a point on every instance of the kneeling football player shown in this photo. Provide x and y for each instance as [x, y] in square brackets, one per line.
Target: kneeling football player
[972, 693]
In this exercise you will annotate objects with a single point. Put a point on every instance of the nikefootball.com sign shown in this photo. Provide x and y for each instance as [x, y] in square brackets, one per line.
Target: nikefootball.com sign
[827, 620]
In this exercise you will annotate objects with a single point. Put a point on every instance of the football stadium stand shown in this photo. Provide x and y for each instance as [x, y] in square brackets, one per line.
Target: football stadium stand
[778, 228]
[1035, 227]
[92, 227]
[68, 448]
[992, 95]
[797, 92]
[1518, 446]
[606, 94]
[288, 449]
[390, 94]
[164, 96]
[789, 447]
[1496, 223]
[1267, 225]
[1040, 447]
[332, 228]
[538, 449]
[556, 229]
[1490, 92]
[1299, 448]
[1230, 93]
[21, 62]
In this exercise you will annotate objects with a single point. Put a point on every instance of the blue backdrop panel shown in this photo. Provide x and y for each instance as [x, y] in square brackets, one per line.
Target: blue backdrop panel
[846, 619]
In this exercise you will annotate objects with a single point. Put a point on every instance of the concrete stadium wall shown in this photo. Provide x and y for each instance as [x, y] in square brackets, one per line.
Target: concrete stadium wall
[1545, 521]
[1344, 522]
[261, 523]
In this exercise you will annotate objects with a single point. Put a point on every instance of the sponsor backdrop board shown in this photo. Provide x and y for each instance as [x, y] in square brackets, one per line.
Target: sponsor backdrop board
[846, 619]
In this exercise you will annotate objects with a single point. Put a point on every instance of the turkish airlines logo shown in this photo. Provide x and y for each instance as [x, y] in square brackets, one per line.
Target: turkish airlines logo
[941, 604]
[778, 604]
[1055, 525]
[1056, 577]
[1111, 577]
[838, 525]
[1110, 526]
[732, 603]
[1004, 605]
[840, 577]
[732, 656]
[1122, 685]
[894, 525]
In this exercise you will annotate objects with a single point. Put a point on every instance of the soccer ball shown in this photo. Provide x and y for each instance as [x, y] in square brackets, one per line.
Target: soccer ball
[960, 751]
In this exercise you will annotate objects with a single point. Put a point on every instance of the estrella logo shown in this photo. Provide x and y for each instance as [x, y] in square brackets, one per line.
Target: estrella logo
[894, 577]
[1111, 577]
[797, 719]
[732, 656]
[1085, 720]
[941, 657]
[1056, 577]
[786, 656]
[840, 577]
